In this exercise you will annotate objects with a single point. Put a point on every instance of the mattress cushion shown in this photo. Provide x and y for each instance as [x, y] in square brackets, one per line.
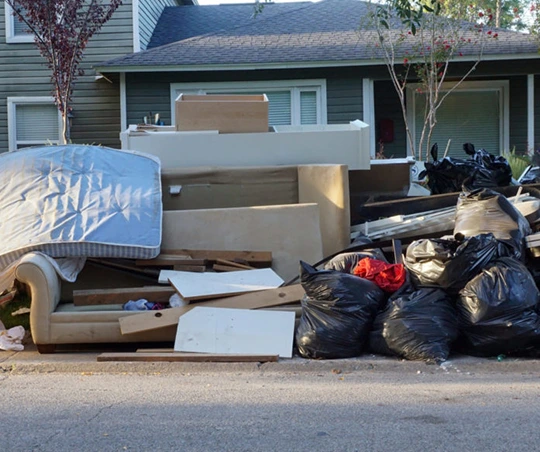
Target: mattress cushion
[75, 200]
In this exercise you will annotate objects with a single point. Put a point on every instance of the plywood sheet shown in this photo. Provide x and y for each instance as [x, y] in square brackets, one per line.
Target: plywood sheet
[239, 331]
[197, 286]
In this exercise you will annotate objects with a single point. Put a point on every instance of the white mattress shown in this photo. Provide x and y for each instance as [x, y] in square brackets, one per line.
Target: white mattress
[74, 200]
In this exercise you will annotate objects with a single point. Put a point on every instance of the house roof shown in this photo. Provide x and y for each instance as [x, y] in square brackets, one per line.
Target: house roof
[177, 24]
[326, 33]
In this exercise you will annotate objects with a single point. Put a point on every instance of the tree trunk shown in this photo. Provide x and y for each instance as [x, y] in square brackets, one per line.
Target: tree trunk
[65, 138]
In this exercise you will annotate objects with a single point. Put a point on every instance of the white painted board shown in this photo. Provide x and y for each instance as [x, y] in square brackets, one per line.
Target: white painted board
[195, 286]
[242, 331]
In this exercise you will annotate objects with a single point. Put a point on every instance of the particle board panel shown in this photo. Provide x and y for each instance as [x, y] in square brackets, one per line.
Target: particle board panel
[151, 320]
[238, 331]
[198, 286]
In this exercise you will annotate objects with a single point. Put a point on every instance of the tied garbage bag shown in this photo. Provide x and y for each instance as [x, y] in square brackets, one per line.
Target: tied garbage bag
[389, 277]
[346, 262]
[482, 170]
[498, 311]
[450, 264]
[416, 325]
[337, 313]
[485, 211]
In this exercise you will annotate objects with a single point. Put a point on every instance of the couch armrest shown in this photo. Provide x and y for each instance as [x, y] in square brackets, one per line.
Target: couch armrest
[38, 273]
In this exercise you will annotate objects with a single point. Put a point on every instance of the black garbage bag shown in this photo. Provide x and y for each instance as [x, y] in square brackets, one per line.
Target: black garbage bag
[450, 264]
[532, 176]
[416, 325]
[482, 170]
[337, 313]
[486, 211]
[498, 311]
[346, 262]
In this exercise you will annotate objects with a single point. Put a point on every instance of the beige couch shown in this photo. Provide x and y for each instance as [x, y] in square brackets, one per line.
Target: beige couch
[297, 212]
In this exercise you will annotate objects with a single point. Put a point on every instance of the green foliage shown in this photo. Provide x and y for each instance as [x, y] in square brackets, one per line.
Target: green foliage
[9, 321]
[517, 162]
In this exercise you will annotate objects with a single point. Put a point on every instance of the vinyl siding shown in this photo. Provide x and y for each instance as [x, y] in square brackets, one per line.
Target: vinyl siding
[151, 92]
[96, 104]
[149, 13]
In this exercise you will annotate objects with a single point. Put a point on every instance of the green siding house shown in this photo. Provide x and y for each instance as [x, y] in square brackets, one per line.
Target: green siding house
[27, 113]
[317, 66]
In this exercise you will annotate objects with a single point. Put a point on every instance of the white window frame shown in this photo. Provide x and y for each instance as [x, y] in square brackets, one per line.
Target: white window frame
[500, 86]
[295, 86]
[12, 103]
[11, 37]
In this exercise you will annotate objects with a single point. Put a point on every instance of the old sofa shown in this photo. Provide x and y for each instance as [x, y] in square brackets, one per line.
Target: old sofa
[297, 212]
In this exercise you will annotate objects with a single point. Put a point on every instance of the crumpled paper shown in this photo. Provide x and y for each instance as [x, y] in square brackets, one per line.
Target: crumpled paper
[11, 339]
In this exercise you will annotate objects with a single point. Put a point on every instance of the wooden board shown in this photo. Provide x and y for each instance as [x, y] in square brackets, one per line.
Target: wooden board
[169, 260]
[226, 268]
[233, 264]
[238, 331]
[253, 257]
[185, 357]
[151, 320]
[120, 296]
[190, 268]
[199, 286]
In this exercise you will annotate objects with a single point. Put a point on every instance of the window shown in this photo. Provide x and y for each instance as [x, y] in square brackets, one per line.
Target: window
[476, 112]
[290, 102]
[15, 29]
[32, 121]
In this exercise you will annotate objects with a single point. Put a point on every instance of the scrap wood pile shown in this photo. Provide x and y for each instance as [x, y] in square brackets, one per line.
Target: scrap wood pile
[472, 291]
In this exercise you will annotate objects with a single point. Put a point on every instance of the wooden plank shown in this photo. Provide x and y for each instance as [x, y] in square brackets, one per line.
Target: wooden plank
[198, 286]
[185, 357]
[254, 257]
[234, 264]
[151, 320]
[226, 268]
[169, 260]
[239, 331]
[190, 268]
[157, 294]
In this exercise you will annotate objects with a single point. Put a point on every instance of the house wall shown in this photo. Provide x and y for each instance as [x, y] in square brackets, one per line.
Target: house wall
[151, 93]
[147, 93]
[96, 103]
[149, 13]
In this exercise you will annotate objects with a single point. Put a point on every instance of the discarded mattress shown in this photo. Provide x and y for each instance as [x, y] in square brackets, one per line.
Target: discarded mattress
[73, 200]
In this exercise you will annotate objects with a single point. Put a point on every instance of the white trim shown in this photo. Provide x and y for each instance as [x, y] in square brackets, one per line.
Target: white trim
[136, 27]
[530, 113]
[368, 97]
[11, 38]
[123, 103]
[502, 86]
[290, 65]
[12, 103]
[296, 86]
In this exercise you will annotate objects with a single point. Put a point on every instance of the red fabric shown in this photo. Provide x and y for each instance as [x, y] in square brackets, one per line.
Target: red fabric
[389, 277]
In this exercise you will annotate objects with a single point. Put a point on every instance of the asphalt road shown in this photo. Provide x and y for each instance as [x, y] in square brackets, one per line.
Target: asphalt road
[326, 409]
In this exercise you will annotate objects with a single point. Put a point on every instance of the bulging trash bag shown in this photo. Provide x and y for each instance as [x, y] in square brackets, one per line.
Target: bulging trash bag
[498, 311]
[337, 313]
[450, 264]
[417, 325]
[346, 262]
[485, 211]
[482, 170]
[531, 176]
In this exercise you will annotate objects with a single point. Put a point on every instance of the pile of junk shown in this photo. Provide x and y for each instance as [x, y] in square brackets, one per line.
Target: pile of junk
[454, 272]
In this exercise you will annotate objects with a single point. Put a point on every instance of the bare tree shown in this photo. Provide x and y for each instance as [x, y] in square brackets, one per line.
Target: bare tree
[62, 29]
